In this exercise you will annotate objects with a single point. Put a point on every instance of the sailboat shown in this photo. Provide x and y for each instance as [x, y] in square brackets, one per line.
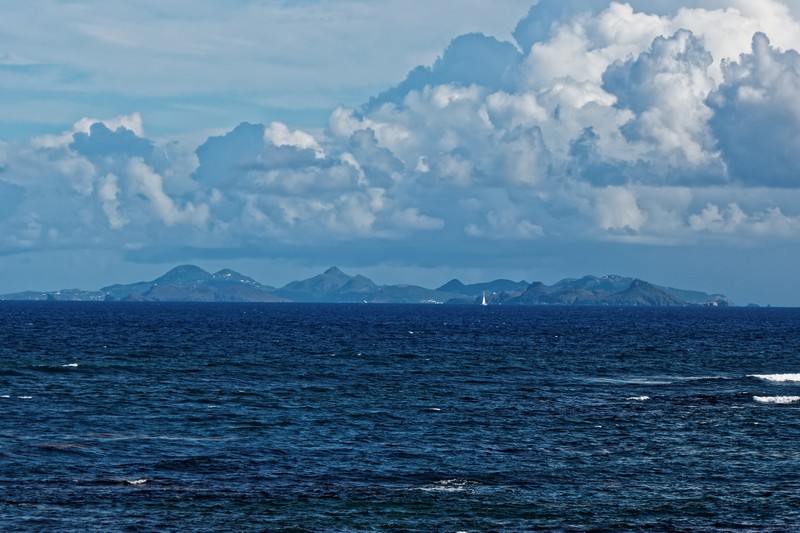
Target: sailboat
[483, 301]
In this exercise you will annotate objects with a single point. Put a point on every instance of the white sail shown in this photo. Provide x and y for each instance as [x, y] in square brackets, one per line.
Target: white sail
[483, 302]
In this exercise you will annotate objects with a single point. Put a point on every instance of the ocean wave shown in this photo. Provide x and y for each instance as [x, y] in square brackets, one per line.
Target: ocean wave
[781, 378]
[777, 399]
[702, 378]
[654, 380]
[142, 436]
[631, 381]
[639, 398]
[54, 369]
[118, 481]
[449, 485]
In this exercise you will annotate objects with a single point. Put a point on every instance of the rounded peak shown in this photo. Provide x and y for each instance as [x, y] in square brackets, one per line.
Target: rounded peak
[452, 284]
[184, 274]
[226, 274]
[187, 269]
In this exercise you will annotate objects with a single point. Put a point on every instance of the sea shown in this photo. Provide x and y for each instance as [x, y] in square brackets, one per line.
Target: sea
[310, 417]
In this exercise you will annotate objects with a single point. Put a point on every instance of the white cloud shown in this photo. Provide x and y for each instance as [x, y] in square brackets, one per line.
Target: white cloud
[667, 86]
[78, 171]
[515, 110]
[455, 169]
[132, 122]
[616, 208]
[349, 159]
[412, 219]
[505, 225]
[108, 194]
[356, 213]
[732, 219]
[757, 115]
[151, 185]
[630, 126]
[279, 134]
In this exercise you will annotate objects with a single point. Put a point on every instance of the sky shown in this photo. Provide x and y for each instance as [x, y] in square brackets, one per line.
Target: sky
[409, 141]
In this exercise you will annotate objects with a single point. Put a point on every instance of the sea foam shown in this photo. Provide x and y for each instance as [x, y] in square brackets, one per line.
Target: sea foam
[449, 485]
[777, 399]
[776, 377]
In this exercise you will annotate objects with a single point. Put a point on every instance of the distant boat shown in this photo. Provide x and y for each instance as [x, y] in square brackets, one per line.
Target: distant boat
[483, 301]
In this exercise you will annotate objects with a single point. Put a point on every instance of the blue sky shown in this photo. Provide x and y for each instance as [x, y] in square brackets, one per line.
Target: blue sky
[409, 141]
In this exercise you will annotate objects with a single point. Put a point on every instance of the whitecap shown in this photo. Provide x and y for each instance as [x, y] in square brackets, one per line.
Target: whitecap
[449, 485]
[777, 399]
[70, 365]
[24, 397]
[5, 396]
[138, 481]
[702, 378]
[776, 377]
[632, 381]
[639, 398]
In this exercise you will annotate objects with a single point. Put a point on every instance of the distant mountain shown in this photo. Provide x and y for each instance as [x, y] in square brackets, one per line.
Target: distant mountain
[189, 283]
[315, 289]
[643, 293]
[592, 283]
[182, 275]
[610, 290]
[698, 298]
[537, 293]
[477, 289]
[333, 285]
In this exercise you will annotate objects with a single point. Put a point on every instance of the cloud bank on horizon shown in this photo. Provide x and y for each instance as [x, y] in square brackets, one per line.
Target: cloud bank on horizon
[646, 122]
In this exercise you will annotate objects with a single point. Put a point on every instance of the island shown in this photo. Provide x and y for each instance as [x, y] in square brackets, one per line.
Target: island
[189, 283]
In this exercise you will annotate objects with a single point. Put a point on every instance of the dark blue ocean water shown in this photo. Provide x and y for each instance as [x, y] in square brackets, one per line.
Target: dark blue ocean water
[154, 417]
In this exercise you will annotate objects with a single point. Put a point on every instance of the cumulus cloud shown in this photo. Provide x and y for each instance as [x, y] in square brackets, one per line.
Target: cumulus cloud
[666, 88]
[411, 218]
[151, 185]
[505, 225]
[107, 148]
[224, 159]
[616, 208]
[638, 122]
[733, 220]
[108, 193]
[469, 59]
[279, 134]
[757, 115]
[133, 123]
